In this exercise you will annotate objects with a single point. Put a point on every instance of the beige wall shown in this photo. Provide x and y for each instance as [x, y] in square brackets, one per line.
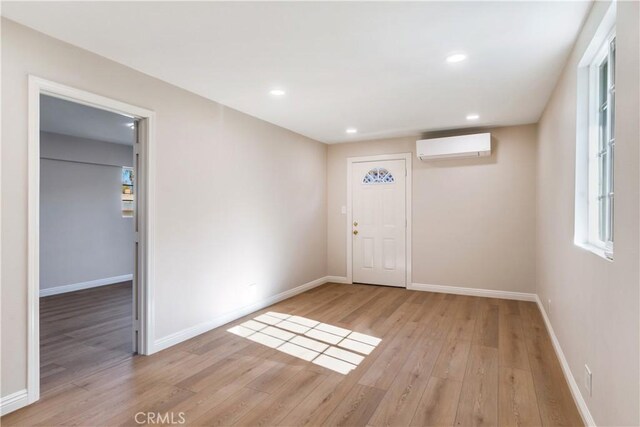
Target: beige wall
[234, 195]
[473, 219]
[594, 302]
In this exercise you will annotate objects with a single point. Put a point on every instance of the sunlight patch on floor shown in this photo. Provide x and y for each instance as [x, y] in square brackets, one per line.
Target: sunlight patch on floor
[332, 347]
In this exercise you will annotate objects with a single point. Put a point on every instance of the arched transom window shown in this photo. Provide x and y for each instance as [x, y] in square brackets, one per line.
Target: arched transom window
[378, 176]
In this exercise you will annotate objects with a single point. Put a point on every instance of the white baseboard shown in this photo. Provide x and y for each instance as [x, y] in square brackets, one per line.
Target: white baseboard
[489, 293]
[13, 402]
[573, 385]
[85, 285]
[337, 279]
[185, 334]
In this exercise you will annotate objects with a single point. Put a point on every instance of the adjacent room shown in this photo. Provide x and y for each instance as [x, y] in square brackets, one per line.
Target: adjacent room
[320, 213]
[87, 240]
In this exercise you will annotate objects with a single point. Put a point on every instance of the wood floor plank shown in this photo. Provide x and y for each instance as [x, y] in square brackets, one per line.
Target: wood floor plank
[140, 369]
[465, 319]
[357, 407]
[274, 378]
[316, 402]
[162, 399]
[334, 312]
[231, 409]
[382, 373]
[452, 361]
[512, 347]
[100, 404]
[479, 396]
[438, 404]
[401, 400]
[486, 330]
[517, 402]
[219, 374]
[509, 306]
[212, 396]
[379, 299]
[380, 326]
[272, 410]
[441, 319]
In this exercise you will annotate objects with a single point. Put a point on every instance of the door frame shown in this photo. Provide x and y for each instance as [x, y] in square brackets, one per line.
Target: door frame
[407, 157]
[145, 216]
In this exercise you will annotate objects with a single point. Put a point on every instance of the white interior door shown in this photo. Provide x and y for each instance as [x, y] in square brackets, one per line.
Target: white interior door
[379, 222]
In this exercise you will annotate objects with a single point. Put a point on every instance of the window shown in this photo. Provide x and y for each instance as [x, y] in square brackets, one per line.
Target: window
[596, 141]
[378, 176]
[603, 146]
[127, 192]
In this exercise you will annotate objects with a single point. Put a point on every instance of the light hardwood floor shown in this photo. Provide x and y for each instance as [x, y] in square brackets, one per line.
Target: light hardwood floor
[443, 360]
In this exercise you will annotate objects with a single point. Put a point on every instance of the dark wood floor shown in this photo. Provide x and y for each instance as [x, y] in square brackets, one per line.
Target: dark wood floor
[83, 332]
[443, 360]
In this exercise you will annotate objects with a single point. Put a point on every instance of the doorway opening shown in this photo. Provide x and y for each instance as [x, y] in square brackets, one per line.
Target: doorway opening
[89, 291]
[379, 220]
[87, 240]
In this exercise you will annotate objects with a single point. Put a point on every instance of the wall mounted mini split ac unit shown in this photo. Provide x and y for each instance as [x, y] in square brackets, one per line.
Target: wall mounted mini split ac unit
[477, 145]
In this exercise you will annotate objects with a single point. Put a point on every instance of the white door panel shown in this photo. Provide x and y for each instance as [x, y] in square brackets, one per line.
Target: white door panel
[379, 222]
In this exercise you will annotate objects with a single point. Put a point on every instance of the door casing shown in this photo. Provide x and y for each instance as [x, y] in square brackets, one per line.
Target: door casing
[408, 185]
[144, 216]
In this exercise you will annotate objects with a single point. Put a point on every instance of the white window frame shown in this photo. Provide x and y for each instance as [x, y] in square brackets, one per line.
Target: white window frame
[588, 218]
[595, 216]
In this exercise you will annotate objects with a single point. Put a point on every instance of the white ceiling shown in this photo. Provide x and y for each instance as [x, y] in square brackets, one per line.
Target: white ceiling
[70, 118]
[376, 66]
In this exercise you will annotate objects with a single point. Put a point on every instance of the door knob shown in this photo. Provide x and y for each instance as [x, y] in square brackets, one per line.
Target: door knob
[355, 231]
[355, 223]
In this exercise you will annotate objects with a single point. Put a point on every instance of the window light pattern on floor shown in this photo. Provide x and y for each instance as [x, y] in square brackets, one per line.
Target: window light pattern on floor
[335, 348]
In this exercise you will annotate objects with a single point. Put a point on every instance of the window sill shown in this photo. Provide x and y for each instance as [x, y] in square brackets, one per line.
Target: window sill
[597, 250]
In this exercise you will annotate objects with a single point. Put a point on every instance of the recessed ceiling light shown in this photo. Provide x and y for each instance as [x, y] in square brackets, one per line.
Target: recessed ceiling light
[352, 130]
[456, 57]
[277, 92]
[472, 117]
